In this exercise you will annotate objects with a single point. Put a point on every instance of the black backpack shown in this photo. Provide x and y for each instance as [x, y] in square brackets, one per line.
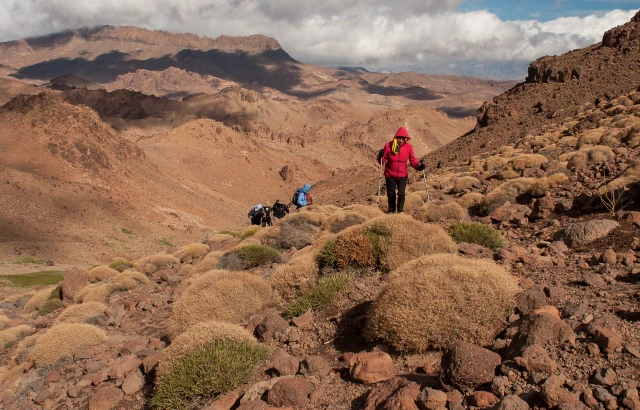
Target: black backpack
[279, 210]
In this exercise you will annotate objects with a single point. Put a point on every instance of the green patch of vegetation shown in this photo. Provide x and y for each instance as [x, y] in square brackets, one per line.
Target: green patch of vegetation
[126, 231]
[56, 293]
[257, 255]
[121, 265]
[30, 280]
[319, 296]
[327, 255]
[209, 371]
[249, 233]
[234, 234]
[164, 242]
[50, 306]
[8, 345]
[477, 233]
[29, 259]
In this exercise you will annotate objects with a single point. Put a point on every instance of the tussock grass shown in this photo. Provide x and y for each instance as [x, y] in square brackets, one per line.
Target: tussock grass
[207, 372]
[477, 233]
[192, 251]
[98, 292]
[629, 176]
[220, 295]
[463, 183]
[588, 157]
[368, 211]
[249, 232]
[412, 201]
[318, 296]
[49, 306]
[79, 313]
[341, 220]
[298, 230]
[197, 336]
[64, 339]
[471, 199]
[121, 265]
[4, 320]
[11, 335]
[102, 273]
[221, 237]
[297, 276]
[437, 299]
[209, 262]
[258, 255]
[441, 211]
[40, 298]
[523, 161]
[151, 263]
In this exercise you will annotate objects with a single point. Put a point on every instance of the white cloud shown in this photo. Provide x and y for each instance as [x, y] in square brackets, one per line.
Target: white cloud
[370, 33]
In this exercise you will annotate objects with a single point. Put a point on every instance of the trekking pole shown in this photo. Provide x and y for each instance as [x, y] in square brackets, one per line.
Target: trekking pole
[380, 182]
[424, 176]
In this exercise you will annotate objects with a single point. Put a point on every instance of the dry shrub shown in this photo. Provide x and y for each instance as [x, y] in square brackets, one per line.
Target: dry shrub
[220, 295]
[509, 191]
[12, 334]
[264, 235]
[249, 231]
[298, 230]
[437, 299]
[342, 220]
[128, 280]
[627, 177]
[437, 211]
[321, 209]
[490, 164]
[559, 178]
[121, 265]
[101, 274]
[295, 277]
[509, 174]
[209, 262]
[470, 200]
[4, 320]
[196, 336]
[221, 237]
[98, 292]
[506, 150]
[523, 161]
[192, 251]
[591, 137]
[589, 157]
[40, 298]
[95, 292]
[79, 313]
[463, 183]
[151, 263]
[367, 211]
[64, 339]
[569, 142]
[631, 136]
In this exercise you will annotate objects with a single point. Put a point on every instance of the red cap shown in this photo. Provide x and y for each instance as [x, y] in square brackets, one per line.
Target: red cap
[402, 132]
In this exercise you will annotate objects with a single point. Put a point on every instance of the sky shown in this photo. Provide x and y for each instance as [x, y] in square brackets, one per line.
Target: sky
[494, 38]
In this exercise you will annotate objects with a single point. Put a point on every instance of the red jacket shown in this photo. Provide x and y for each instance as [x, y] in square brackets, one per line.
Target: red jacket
[395, 165]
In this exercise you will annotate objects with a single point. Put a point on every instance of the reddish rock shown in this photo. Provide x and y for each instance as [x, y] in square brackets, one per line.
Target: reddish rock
[150, 362]
[544, 328]
[72, 391]
[604, 377]
[290, 392]
[253, 405]
[303, 320]
[315, 366]
[483, 399]
[272, 324]
[284, 364]
[74, 279]
[371, 367]
[133, 383]
[467, 366]
[124, 366]
[554, 394]
[512, 402]
[225, 402]
[432, 399]
[607, 339]
[531, 299]
[536, 360]
[106, 398]
[396, 393]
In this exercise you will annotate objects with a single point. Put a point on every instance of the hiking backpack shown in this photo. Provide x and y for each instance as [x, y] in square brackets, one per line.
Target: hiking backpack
[299, 198]
[279, 210]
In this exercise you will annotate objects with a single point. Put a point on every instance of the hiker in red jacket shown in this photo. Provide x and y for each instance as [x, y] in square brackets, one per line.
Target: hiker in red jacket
[394, 157]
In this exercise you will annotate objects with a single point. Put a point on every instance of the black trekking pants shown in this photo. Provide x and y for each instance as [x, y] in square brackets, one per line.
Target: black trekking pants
[401, 184]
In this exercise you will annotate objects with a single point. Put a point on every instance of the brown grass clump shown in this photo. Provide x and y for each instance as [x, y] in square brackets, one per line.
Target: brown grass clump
[437, 211]
[221, 237]
[437, 299]
[64, 339]
[589, 157]
[39, 299]
[209, 262]
[192, 251]
[249, 231]
[101, 274]
[79, 313]
[196, 336]
[95, 292]
[220, 295]
[523, 161]
[341, 220]
[298, 230]
[98, 292]
[590, 138]
[509, 191]
[471, 199]
[4, 320]
[12, 334]
[463, 183]
[627, 177]
[297, 276]
[367, 211]
[151, 263]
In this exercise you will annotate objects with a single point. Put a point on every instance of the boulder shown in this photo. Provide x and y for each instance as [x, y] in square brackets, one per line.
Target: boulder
[395, 393]
[542, 329]
[284, 364]
[290, 392]
[536, 360]
[531, 299]
[608, 340]
[432, 399]
[554, 394]
[582, 233]
[512, 402]
[315, 366]
[133, 383]
[371, 367]
[73, 280]
[272, 324]
[467, 366]
[483, 399]
[106, 398]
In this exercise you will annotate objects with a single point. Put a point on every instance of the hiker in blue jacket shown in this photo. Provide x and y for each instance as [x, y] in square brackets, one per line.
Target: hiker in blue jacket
[301, 197]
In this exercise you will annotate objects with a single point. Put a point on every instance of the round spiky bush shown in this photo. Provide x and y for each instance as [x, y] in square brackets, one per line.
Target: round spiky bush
[296, 276]
[102, 273]
[437, 299]
[220, 295]
[192, 251]
[477, 233]
[341, 220]
[385, 243]
[64, 339]
[79, 313]
[437, 211]
[298, 230]
[471, 199]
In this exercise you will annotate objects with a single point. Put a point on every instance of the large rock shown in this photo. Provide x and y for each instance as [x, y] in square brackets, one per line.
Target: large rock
[536, 360]
[544, 328]
[74, 279]
[554, 394]
[371, 367]
[582, 233]
[531, 299]
[467, 366]
[512, 402]
[270, 326]
[106, 398]
[283, 364]
[290, 392]
[432, 399]
[396, 393]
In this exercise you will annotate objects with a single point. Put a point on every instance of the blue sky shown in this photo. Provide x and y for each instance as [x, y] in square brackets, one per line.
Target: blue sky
[545, 10]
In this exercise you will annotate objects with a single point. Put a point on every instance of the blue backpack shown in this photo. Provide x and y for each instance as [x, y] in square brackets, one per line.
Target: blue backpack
[299, 198]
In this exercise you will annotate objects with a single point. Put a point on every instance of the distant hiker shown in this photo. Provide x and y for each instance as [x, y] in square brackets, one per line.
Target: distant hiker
[301, 197]
[394, 157]
[280, 209]
[256, 214]
[266, 214]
